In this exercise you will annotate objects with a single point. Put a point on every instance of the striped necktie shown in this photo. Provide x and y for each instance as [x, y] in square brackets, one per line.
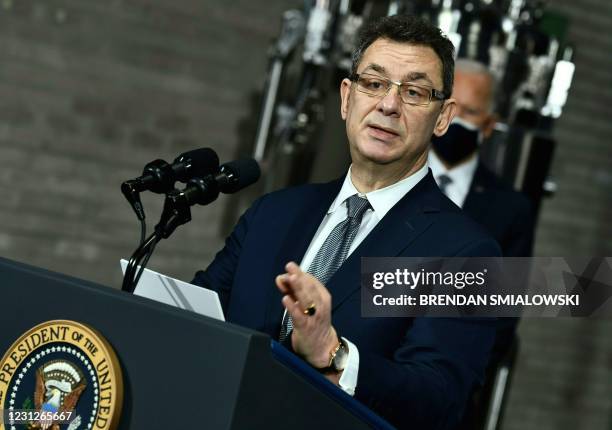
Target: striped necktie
[334, 250]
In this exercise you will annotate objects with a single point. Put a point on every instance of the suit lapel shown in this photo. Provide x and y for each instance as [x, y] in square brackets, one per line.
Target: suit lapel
[476, 202]
[306, 220]
[394, 233]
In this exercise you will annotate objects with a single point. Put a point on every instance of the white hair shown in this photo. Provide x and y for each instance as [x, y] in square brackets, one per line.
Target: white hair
[466, 65]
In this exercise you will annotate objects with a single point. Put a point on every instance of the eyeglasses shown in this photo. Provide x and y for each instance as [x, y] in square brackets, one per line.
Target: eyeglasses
[410, 93]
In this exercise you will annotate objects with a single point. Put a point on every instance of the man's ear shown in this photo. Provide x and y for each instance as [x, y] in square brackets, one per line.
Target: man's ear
[345, 92]
[446, 115]
[489, 125]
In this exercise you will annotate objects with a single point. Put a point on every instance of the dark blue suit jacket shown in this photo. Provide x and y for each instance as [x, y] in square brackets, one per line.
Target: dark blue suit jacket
[415, 372]
[506, 214]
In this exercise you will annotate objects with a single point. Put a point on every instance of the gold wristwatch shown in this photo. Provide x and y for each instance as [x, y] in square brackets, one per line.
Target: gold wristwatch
[338, 357]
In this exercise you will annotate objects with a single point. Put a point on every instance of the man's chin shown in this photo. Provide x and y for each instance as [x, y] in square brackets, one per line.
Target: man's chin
[380, 159]
[378, 152]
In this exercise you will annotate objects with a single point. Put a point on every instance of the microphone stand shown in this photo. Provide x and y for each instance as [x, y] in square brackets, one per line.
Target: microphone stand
[176, 212]
[142, 252]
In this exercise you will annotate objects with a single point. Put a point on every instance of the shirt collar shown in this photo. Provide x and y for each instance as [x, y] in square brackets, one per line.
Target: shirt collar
[460, 175]
[381, 200]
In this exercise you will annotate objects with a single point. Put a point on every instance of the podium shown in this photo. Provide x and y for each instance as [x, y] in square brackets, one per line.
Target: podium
[182, 370]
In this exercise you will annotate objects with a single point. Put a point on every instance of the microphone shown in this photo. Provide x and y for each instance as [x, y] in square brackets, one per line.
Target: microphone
[159, 176]
[230, 178]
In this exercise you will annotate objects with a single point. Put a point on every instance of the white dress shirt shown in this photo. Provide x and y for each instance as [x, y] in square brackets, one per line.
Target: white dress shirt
[461, 177]
[382, 201]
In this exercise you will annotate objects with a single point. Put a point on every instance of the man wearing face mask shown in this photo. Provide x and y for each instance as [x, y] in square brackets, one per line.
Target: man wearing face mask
[505, 213]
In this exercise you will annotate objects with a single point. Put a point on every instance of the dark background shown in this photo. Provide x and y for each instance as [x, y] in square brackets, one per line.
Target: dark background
[90, 91]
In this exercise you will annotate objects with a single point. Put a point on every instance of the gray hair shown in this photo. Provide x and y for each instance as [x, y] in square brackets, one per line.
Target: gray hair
[466, 65]
[411, 30]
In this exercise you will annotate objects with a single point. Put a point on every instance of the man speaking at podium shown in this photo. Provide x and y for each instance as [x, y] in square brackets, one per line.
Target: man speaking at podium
[291, 267]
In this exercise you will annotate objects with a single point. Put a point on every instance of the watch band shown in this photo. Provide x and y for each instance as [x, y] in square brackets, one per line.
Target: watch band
[334, 366]
[334, 352]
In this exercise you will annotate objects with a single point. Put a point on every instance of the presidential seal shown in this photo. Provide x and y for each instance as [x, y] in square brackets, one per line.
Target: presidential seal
[60, 375]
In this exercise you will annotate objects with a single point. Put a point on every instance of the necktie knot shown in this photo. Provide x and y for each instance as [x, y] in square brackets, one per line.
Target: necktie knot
[443, 182]
[356, 207]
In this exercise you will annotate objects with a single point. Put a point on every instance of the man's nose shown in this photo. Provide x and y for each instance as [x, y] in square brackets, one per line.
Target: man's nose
[391, 103]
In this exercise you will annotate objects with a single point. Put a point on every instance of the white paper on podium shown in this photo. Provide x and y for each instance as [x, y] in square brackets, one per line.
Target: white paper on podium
[175, 292]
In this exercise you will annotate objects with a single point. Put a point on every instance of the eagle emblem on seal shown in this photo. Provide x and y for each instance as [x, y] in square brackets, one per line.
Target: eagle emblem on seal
[59, 384]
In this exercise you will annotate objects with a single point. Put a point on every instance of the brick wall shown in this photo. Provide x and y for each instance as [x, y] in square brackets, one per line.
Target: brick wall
[90, 91]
